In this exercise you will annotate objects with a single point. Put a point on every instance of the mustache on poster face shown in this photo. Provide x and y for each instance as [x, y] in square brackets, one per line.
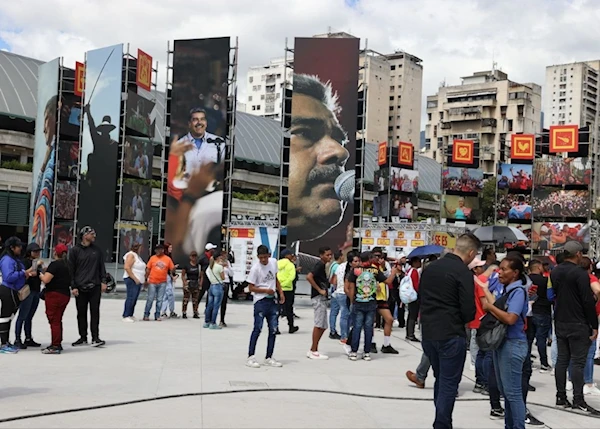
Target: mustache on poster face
[324, 174]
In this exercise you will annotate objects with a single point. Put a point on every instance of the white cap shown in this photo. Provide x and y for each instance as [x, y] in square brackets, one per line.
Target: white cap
[401, 255]
[476, 263]
[210, 246]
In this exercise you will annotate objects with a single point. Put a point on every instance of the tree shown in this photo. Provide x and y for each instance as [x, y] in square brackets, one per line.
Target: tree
[488, 202]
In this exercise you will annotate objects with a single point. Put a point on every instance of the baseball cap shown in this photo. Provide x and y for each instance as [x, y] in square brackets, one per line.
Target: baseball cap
[401, 255]
[476, 263]
[210, 246]
[573, 247]
[60, 249]
[86, 230]
[286, 252]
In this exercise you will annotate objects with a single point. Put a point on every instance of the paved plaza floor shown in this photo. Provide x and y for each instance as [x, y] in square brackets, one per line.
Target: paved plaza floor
[150, 360]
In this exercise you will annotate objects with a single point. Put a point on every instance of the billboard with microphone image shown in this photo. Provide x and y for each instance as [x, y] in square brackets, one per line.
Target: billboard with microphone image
[323, 144]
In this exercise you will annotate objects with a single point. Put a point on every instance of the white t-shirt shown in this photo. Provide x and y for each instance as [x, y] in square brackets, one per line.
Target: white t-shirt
[339, 273]
[263, 276]
[138, 268]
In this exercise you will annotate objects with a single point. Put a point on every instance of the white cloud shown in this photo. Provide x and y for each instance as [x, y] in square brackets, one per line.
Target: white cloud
[453, 37]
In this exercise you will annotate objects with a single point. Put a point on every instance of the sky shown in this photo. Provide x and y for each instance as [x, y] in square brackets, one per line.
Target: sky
[454, 38]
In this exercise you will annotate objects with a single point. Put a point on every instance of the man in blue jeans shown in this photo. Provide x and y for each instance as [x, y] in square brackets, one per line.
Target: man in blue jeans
[263, 283]
[447, 305]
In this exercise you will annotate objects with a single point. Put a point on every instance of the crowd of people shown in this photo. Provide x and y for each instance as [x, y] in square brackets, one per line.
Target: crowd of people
[520, 180]
[563, 171]
[561, 203]
[514, 206]
[462, 180]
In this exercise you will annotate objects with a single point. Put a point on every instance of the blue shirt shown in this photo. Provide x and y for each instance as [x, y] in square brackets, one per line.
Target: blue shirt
[198, 142]
[13, 272]
[517, 304]
[495, 287]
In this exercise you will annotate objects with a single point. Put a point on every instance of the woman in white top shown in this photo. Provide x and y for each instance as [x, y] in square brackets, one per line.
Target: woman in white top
[339, 296]
[215, 273]
[135, 278]
[226, 286]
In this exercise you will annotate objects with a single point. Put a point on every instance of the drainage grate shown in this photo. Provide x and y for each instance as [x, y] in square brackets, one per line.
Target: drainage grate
[247, 384]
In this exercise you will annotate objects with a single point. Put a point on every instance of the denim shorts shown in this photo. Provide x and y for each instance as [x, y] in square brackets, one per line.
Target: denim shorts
[320, 305]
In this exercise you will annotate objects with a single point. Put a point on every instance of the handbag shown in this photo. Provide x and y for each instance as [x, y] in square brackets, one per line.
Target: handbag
[492, 332]
[24, 292]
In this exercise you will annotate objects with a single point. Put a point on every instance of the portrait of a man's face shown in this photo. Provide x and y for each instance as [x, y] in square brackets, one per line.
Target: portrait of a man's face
[318, 156]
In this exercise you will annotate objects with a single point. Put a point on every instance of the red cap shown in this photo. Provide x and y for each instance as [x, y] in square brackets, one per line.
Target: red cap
[61, 249]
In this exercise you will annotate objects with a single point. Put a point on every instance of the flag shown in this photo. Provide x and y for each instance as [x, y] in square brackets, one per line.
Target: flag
[522, 146]
[463, 152]
[143, 76]
[564, 138]
[405, 154]
[382, 154]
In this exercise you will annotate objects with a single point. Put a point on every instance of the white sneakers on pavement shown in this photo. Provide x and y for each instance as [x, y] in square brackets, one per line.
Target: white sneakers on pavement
[272, 362]
[591, 390]
[252, 362]
[316, 355]
[128, 319]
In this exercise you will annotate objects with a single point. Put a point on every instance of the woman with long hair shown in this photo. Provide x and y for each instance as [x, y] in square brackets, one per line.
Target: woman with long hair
[135, 278]
[57, 294]
[511, 309]
[216, 275]
[30, 304]
[12, 290]
[169, 298]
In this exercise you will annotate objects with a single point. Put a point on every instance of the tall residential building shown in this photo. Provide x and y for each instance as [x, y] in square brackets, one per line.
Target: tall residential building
[265, 88]
[487, 108]
[375, 73]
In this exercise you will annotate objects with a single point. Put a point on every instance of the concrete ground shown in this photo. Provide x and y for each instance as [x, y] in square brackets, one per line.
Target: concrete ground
[150, 360]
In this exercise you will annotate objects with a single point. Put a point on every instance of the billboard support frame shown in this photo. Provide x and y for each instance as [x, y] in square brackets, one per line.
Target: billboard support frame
[360, 154]
[56, 148]
[163, 158]
[79, 151]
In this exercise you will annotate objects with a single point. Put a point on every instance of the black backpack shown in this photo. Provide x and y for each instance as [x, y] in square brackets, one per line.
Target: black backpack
[492, 332]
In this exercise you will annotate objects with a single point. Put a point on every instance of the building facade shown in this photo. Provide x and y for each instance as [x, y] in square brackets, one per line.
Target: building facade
[265, 88]
[486, 108]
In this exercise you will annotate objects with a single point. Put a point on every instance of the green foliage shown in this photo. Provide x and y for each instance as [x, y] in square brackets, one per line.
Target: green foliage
[264, 195]
[16, 165]
[426, 196]
[144, 182]
[488, 201]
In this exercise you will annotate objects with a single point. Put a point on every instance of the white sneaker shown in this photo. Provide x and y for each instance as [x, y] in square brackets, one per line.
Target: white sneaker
[591, 390]
[472, 367]
[128, 319]
[367, 357]
[569, 385]
[273, 362]
[252, 363]
[347, 349]
[395, 323]
[316, 355]
[553, 372]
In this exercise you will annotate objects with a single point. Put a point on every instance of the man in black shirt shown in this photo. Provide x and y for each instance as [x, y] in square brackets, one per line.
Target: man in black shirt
[447, 304]
[86, 262]
[576, 325]
[541, 312]
[319, 280]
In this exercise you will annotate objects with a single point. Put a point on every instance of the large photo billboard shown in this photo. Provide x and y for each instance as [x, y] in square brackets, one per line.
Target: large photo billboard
[322, 142]
[198, 124]
[548, 202]
[44, 155]
[99, 147]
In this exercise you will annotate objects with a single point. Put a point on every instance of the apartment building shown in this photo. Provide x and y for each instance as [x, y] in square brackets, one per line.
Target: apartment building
[265, 88]
[488, 108]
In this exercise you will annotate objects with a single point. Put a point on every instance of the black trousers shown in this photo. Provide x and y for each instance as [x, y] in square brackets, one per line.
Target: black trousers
[394, 301]
[89, 299]
[226, 287]
[413, 314]
[9, 304]
[573, 341]
[204, 288]
[527, 368]
[288, 306]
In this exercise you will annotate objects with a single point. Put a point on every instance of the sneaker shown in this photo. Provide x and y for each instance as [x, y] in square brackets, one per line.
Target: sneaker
[334, 336]
[223, 325]
[395, 324]
[485, 391]
[146, 319]
[584, 408]
[296, 316]
[412, 377]
[159, 319]
[553, 372]
[569, 385]
[478, 388]
[352, 356]
[8, 349]
[174, 315]
[597, 361]
[367, 357]
[497, 414]
[471, 367]
[196, 316]
[163, 316]
[206, 325]
[373, 347]
[532, 422]
[389, 350]
[184, 316]
[97, 343]
[316, 355]
[252, 363]
[591, 390]
[563, 403]
[30, 343]
[544, 369]
[530, 388]
[214, 326]
[278, 332]
[51, 350]
[272, 362]
[19, 345]
[128, 320]
[293, 329]
[80, 342]
[347, 349]
[344, 341]
[413, 339]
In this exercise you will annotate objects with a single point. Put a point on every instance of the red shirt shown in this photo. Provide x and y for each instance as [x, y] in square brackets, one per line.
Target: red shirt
[593, 279]
[414, 276]
[479, 313]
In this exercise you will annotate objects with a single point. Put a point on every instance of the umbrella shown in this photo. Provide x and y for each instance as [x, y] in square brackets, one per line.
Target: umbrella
[430, 249]
[500, 234]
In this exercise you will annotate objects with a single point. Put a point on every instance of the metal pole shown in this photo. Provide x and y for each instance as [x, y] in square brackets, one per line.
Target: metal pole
[81, 131]
[56, 146]
[163, 155]
[363, 135]
[283, 181]
[231, 144]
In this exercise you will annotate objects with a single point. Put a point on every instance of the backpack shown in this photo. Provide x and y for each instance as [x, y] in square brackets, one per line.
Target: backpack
[407, 290]
[492, 332]
[366, 286]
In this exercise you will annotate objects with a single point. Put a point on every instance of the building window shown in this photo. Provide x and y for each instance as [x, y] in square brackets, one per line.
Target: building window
[251, 79]
[429, 116]
[510, 125]
[391, 98]
[278, 75]
[390, 128]
[253, 107]
[441, 115]
[258, 87]
[392, 88]
[392, 67]
[391, 108]
[262, 97]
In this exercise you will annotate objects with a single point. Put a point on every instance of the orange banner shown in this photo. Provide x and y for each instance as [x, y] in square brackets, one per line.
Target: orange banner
[241, 232]
[79, 79]
[143, 76]
[564, 138]
[382, 154]
[405, 154]
[417, 243]
[444, 239]
[368, 241]
[463, 151]
[400, 242]
[383, 241]
[522, 146]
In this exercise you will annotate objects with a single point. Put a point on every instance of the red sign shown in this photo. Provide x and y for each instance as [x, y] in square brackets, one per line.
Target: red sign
[241, 232]
[564, 138]
[522, 146]
[382, 154]
[463, 151]
[143, 76]
[79, 79]
[405, 154]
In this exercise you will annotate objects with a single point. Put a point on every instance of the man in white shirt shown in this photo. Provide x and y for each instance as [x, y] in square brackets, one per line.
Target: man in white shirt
[263, 283]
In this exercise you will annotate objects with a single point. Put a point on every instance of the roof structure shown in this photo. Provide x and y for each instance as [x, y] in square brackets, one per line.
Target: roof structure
[257, 139]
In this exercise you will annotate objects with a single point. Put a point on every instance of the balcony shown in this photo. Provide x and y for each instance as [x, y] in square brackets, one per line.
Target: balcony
[446, 125]
[473, 103]
[15, 180]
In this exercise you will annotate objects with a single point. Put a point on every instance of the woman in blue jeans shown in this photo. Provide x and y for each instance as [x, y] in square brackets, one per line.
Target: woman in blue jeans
[30, 304]
[135, 277]
[510, 356]
[339, 301]
[216, 275]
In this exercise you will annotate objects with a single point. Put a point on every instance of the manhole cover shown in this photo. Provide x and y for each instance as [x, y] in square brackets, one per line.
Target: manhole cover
[247, 384]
